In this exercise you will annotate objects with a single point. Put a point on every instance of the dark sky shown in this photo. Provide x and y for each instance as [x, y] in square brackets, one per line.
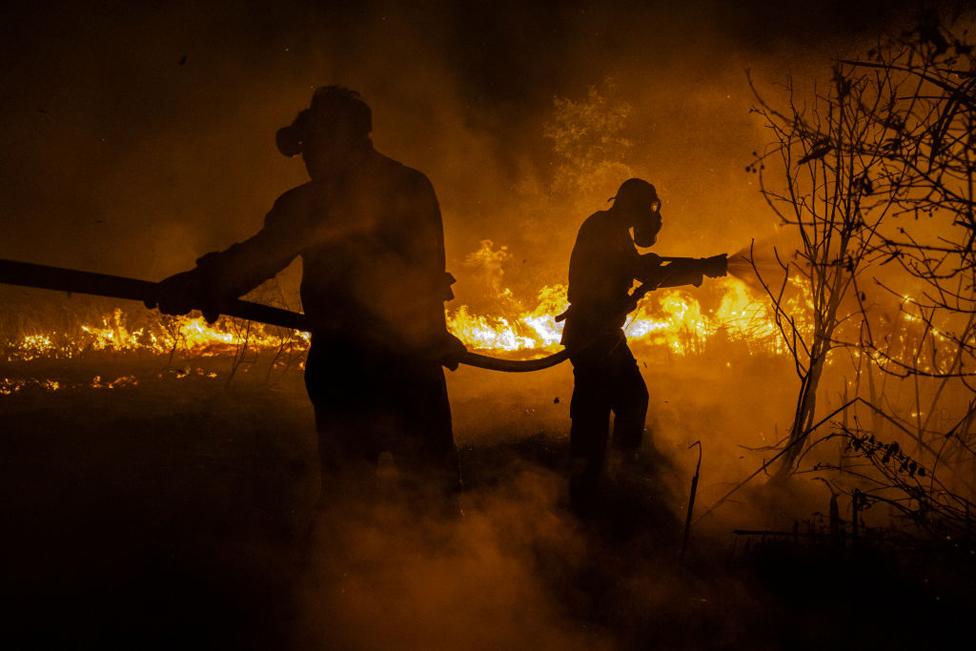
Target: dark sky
[135, 136]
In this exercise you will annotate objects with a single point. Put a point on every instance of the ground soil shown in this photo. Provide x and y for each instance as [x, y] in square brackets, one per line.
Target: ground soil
[181, 513]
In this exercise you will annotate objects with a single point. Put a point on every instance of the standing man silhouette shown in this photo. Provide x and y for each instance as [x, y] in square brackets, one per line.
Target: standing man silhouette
[369, 232]
[603, 267]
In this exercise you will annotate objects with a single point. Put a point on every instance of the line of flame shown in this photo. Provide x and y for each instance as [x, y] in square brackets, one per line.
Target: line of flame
[673, 318]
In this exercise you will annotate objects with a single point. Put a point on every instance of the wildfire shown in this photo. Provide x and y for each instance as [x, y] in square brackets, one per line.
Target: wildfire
[161, 335]
[680, 321]
[531, 330]
[10, 386]
[672, 318]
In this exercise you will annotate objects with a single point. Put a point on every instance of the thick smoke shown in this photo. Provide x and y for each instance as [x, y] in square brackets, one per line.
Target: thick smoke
[390, 579]
[136, 139]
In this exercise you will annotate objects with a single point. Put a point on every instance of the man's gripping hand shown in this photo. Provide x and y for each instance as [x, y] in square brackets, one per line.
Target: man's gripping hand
[716, 266]
[651, 261]
[450, 351]
[183, 292]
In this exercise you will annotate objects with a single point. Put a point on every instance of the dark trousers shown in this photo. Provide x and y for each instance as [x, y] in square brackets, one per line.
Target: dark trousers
[607, 380]
[369, 400]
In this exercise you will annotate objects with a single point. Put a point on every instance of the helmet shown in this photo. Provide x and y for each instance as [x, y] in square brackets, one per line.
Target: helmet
[639, 197]
[332, 105]
[636, 193]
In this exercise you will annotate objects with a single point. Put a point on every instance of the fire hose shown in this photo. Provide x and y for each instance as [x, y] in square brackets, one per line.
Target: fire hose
[40, 276]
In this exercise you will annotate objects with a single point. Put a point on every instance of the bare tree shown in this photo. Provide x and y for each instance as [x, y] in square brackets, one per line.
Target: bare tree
[820, 175]
[877, 178]
[290, 346]
[242, 337]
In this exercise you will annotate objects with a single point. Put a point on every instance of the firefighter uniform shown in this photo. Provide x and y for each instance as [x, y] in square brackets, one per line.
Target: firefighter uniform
[602, 270]
[373, 286]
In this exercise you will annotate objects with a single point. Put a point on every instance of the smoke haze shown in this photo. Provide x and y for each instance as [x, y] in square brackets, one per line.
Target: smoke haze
[133, 139]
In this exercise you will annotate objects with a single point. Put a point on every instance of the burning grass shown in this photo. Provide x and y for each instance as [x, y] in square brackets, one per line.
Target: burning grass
[678, 319]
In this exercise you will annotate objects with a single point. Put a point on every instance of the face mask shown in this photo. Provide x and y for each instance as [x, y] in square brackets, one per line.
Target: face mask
[291, 138]
[646, 230]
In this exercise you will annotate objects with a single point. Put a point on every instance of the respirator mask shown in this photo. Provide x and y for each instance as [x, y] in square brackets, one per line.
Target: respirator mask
[291, 139]
[647, 228]
[341, 112]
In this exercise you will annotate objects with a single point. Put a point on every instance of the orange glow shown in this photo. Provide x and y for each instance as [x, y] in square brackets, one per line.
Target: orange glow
[683, 321]
[673, 318]
[161, 335]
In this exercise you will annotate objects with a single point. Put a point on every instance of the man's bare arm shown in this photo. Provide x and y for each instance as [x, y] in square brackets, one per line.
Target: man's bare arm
[223, 275]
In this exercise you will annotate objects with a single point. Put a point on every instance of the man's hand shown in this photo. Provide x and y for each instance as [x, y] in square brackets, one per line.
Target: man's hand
[183, 292]
[716, 266]
[650, 261]
[450, 351]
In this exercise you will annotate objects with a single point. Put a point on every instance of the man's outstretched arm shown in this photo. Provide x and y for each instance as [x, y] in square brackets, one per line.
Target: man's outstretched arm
[680, 272]
[224, 275]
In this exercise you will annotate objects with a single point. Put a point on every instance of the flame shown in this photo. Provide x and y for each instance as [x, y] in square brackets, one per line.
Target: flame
[534, 330]
[163, 335]
[11, 386]
[682, 321]
[672, 318]
[121, 381]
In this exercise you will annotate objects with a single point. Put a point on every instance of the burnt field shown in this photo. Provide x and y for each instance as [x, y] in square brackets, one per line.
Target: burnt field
[177, 510]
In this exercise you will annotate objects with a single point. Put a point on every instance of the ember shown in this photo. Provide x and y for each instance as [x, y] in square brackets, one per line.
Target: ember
[155, 335]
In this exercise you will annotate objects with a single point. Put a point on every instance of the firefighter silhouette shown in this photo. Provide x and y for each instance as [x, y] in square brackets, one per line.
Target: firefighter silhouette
[604, 265]
[369, 233]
